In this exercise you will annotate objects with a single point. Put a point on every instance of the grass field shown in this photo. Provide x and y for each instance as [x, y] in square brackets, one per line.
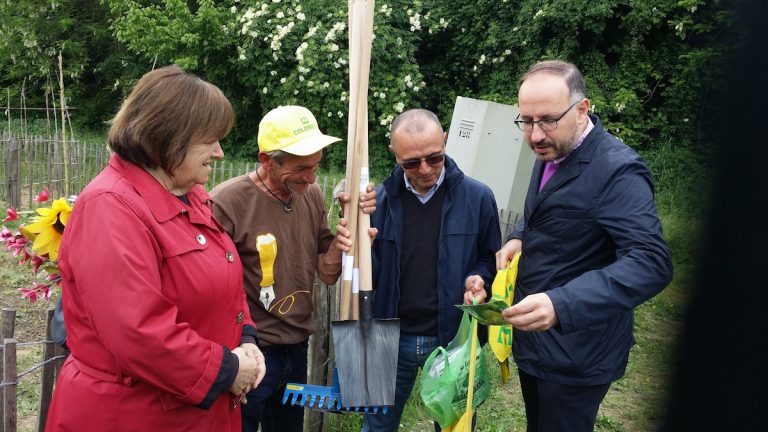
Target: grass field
[635, 402]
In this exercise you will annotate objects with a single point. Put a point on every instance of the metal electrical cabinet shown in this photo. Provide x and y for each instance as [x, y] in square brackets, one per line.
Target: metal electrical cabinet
[487, 146]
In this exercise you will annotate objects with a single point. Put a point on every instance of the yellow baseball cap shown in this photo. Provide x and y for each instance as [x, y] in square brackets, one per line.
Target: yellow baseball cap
[292, 129]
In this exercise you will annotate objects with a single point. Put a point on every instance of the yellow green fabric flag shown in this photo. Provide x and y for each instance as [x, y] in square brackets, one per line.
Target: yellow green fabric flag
[500, 337]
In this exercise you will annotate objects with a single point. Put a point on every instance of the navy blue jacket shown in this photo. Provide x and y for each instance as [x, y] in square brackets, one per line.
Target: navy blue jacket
[469, 238]
[592, 241]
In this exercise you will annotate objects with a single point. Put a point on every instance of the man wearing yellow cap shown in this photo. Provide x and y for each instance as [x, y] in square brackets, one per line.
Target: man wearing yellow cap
[276, 216]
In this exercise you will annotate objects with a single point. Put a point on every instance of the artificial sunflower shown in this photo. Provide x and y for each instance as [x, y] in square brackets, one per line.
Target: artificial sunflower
[48, 228]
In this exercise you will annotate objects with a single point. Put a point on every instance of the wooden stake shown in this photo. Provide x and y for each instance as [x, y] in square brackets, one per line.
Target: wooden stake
[64, 146]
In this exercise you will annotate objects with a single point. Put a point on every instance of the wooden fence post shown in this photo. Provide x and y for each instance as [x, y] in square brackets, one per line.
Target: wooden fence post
[55, 165]
[9, 327]
[320, 347]
[9, 385]
[48, 375]
[59, 352]
[9, 323]
[320, 369]
[12, 168]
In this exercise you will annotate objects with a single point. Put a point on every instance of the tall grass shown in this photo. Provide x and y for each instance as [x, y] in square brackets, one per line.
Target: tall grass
[680, 178]
[43, 127]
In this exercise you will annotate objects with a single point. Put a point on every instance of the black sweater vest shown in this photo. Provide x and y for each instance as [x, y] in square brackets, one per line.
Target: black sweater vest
[417, 308]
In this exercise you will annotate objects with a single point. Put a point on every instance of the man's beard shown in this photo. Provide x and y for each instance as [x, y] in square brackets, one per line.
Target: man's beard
[561, 150]
[564, 151]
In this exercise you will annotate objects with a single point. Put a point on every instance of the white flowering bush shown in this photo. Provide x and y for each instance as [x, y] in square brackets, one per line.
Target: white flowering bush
[276, 52]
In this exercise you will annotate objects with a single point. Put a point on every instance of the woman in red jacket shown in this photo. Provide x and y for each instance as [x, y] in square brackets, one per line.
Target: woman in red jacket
[156, 317]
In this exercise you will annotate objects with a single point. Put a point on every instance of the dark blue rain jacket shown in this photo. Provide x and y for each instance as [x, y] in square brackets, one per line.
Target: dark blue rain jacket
[469, 239]
[592, 241]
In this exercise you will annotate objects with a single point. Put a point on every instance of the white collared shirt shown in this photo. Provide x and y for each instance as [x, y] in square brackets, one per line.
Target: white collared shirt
[424, 198]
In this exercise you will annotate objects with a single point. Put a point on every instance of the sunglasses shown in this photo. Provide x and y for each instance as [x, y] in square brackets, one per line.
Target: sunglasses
[433, 159]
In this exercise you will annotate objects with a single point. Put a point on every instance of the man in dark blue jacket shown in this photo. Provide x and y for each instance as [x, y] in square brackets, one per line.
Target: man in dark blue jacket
[592, 250]
[438, 231]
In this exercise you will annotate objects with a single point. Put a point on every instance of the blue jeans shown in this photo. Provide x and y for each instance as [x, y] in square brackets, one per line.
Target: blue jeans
[412, 354]
[285, 363]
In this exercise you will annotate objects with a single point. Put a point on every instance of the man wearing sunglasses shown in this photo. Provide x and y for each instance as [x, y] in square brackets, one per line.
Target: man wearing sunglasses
[438, 231]
[592, 250]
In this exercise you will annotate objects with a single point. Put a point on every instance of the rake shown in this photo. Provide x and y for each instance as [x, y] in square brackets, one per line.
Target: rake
[322, 398]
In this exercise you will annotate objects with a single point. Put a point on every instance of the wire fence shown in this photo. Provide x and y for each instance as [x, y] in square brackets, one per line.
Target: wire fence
[52, 359]
[30, 164]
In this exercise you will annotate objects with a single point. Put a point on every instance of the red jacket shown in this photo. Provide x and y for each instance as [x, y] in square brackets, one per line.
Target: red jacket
[153, 301]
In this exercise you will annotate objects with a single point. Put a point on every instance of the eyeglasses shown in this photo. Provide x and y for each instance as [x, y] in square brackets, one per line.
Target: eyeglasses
[433, 159]
[544, 124]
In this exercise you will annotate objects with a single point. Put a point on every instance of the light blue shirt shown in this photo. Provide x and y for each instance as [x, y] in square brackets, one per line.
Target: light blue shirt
[424, 198]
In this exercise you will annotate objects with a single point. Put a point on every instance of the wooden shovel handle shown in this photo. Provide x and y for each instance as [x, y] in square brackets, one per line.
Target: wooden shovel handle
[364, 220]
[360, 40]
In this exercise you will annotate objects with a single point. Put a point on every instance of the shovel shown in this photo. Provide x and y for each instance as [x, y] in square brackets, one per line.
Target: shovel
[464, 424]
[366, 349]
[366, 357]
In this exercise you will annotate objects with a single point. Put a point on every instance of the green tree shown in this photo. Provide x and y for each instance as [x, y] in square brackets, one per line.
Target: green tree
[95, 68]
[647, 64]
[651, 66]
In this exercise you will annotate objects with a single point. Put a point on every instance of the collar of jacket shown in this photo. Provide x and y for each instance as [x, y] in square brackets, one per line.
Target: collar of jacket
[586, 150]
[163, 204]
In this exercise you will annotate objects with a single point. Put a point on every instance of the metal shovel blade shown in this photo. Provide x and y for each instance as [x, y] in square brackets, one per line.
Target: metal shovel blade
[366, 357]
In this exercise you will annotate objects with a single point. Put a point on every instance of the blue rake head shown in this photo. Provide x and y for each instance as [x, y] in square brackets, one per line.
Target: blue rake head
[322, 398]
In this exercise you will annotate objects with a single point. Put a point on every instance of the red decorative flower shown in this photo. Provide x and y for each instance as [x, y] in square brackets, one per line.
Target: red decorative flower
[43, 196]
[38, 290]
[37, 261]
[5, 234]
[12, 215]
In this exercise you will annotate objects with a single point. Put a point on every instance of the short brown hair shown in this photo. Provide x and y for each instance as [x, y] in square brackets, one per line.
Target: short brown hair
[166, 110]
[568, 71]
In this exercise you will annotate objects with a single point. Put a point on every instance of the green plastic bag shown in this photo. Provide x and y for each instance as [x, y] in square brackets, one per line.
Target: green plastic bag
[445, 376]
